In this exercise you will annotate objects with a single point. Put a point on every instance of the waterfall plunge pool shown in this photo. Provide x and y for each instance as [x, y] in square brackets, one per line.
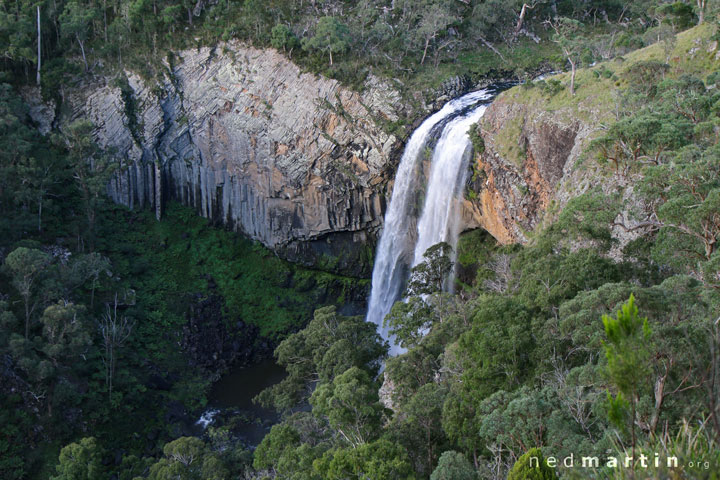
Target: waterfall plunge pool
[230, 402]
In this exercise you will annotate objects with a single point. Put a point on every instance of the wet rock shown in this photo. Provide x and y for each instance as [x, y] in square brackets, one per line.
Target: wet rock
[210, 344]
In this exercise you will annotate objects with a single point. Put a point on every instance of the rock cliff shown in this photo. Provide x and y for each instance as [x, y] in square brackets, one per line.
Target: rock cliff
[529, 164]
[537, 136]
[288, 158]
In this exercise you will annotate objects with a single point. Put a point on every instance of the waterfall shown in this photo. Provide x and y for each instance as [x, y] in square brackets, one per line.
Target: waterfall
[448, 173]
[400, 241]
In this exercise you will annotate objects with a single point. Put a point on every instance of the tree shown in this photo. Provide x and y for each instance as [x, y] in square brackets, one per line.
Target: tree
[409, 321]
[188, 458]
[453, 466]
[91, 168]
[684, 197]
[76, 20]
[26, 169]
[331, 36]
[283, 38]
[379, 460]
[91, 266]
[80, 461]
[532, 466]
[17, 26]
[435, 18]
[351, 405]
[65, 332]
[567, 37]
[418, 425]
[430, 275]
[327, 347]
[26, 266]
[627, 351]
[274, 445]
[114, 332]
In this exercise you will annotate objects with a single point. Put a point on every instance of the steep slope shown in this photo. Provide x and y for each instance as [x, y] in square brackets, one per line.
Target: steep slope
[288, 158]
[536, 138]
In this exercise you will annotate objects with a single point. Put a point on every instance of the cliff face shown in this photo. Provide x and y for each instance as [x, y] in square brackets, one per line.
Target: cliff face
[528, 166]
[291, 159]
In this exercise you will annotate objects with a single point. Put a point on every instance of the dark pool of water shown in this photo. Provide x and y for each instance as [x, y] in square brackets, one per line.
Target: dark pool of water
[231, 397]
[237, 388]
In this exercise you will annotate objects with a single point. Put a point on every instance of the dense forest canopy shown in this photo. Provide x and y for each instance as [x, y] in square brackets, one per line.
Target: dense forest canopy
[582, 341]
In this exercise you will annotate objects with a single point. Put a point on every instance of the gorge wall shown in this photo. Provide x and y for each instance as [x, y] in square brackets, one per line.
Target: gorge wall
[529, 165]
[291, 159]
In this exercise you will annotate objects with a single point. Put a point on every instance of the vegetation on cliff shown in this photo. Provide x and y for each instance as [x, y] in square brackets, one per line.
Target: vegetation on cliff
[419, 42]
[112, 322]
[598, 338]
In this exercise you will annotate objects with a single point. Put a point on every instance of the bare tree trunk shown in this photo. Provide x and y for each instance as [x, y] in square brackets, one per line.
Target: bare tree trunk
[331, 61]
[27, 318]
[427, 44]
[701, 11]
[491, 47]
[40, 206]
[521, 18]
[39, 59]
[82, 50]
[105, 19]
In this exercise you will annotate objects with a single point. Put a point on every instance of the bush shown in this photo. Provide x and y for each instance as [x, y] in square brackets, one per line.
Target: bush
[524, 469]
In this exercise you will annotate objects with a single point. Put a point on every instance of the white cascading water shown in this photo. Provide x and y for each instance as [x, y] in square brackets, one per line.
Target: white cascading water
[448, 172]
[399, 244]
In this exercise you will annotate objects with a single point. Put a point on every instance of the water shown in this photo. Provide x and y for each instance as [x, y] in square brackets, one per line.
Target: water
[448, 173]
[402, 237]
[234, 392]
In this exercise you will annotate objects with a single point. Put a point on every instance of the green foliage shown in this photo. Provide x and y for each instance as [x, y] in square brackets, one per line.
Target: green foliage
[80, 461]
[381, 459]
[283, 38]
[628, 354]
[187, 458]
[25, 266]
[680, 15]
[326, 348]
[453, 466]
[418, 426]
[408, 321]
[350, 404]
[430, 275]
[16, 423]
[330, 37]
[476, 138]
[526, 467]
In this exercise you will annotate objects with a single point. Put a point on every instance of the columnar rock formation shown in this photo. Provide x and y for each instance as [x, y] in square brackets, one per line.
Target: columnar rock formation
[291, 159]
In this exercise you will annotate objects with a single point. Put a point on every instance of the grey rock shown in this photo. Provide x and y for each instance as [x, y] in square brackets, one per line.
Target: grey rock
[288, 158]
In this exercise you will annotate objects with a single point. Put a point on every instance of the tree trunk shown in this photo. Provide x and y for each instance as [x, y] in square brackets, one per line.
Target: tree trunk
[92, 293]
[427, 43]
[331, 61]
[521, 18]
[82, 50]
[27, 318]
[572, 77]
[701, 11]
[39, 60]
[105, 19]
[40, 205]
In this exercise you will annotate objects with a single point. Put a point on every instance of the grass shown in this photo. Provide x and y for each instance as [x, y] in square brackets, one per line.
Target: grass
[595, 97]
